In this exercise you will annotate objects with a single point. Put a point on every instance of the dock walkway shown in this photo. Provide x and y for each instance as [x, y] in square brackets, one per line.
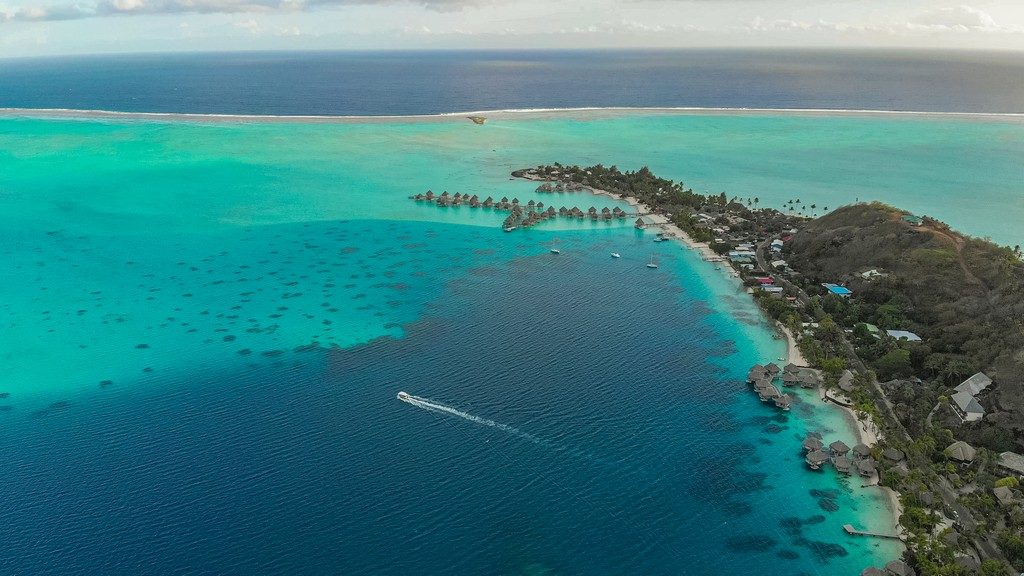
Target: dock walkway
[853, 531]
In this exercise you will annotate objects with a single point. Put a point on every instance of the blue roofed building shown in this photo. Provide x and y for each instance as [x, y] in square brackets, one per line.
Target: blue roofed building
[838, 290]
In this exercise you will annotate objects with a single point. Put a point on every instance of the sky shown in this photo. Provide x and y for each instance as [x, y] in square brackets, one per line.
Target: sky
[47, 27]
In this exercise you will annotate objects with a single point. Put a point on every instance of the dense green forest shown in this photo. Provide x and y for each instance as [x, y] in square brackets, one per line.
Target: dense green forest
[964, 296]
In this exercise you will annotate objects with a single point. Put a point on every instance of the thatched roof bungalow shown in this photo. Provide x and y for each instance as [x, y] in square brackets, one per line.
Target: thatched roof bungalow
[756, 372]
[866, 467]
[784, 401]
[861, 451]
[838, 448]
[812, 443]
[815, 459]
[898, 568]
[842, 465]
[961, 451]
[893, 454]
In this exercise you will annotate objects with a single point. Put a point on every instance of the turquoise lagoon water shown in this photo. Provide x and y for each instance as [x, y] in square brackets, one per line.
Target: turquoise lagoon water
[205, 325]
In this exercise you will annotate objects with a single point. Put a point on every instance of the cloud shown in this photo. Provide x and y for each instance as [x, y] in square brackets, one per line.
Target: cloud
[957, 19]
[36, 13]
[950, 19]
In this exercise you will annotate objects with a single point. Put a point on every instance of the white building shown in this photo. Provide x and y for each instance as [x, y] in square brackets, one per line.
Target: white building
[967, 407]
[975, 384]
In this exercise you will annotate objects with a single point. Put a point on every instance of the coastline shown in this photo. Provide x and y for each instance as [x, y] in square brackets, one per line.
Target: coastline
[863, 429]
[583, 113]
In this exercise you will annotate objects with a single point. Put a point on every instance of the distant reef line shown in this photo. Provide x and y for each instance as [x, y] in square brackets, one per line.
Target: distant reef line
[502, 114]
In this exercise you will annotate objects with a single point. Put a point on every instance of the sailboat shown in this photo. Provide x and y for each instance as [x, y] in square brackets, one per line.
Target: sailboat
[652, 264]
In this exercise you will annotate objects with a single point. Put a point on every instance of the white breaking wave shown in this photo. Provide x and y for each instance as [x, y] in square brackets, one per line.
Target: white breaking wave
[445, 409]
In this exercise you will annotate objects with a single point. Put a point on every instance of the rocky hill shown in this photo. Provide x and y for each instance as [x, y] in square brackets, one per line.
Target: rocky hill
[964, 296]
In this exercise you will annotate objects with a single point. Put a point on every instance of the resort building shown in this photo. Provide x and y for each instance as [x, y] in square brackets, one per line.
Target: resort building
[967, 407]
[815, 459]
[975, 384]
[838, 290]
[861, 451]
[893, 454]
[898, 568]
[812, 443]
[866, 467]
[903, 335]
[964, 402]
[960, 451]
[1012, 463]
[838, 449]
[913, 220]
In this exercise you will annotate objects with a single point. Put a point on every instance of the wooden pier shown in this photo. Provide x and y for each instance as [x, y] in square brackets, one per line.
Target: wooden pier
[854, 532]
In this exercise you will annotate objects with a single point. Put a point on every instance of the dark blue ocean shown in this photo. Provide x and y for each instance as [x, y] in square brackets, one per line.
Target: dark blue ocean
[388, 83]
[192, 298]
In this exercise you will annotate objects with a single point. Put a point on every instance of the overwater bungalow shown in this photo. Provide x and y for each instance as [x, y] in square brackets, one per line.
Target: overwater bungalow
[842, 465]
[812, 443]
[489, 202]
[790, 378]
[640, 223]
[773, 369]
[551, 212]
[792, 368]
[768, 392]
[784, 401]
[430, 195]
[898, 568]
[866, 467]
[861, 451]
[606, 213]
[531, 205]
[808, 379]
[815, 459]
[577, 212]
[562, 211]
[756, 372]
[838, 448]
[419, 197]
[515, 201]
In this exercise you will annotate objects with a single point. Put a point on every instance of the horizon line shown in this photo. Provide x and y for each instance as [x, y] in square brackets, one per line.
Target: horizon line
[753, 48]
[509, 113]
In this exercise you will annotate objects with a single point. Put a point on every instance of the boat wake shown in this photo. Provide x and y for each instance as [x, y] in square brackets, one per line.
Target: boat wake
[445, 409]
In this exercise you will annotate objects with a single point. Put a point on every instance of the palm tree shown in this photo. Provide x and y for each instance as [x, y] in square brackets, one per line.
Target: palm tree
[813, 206]
[756, 200]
